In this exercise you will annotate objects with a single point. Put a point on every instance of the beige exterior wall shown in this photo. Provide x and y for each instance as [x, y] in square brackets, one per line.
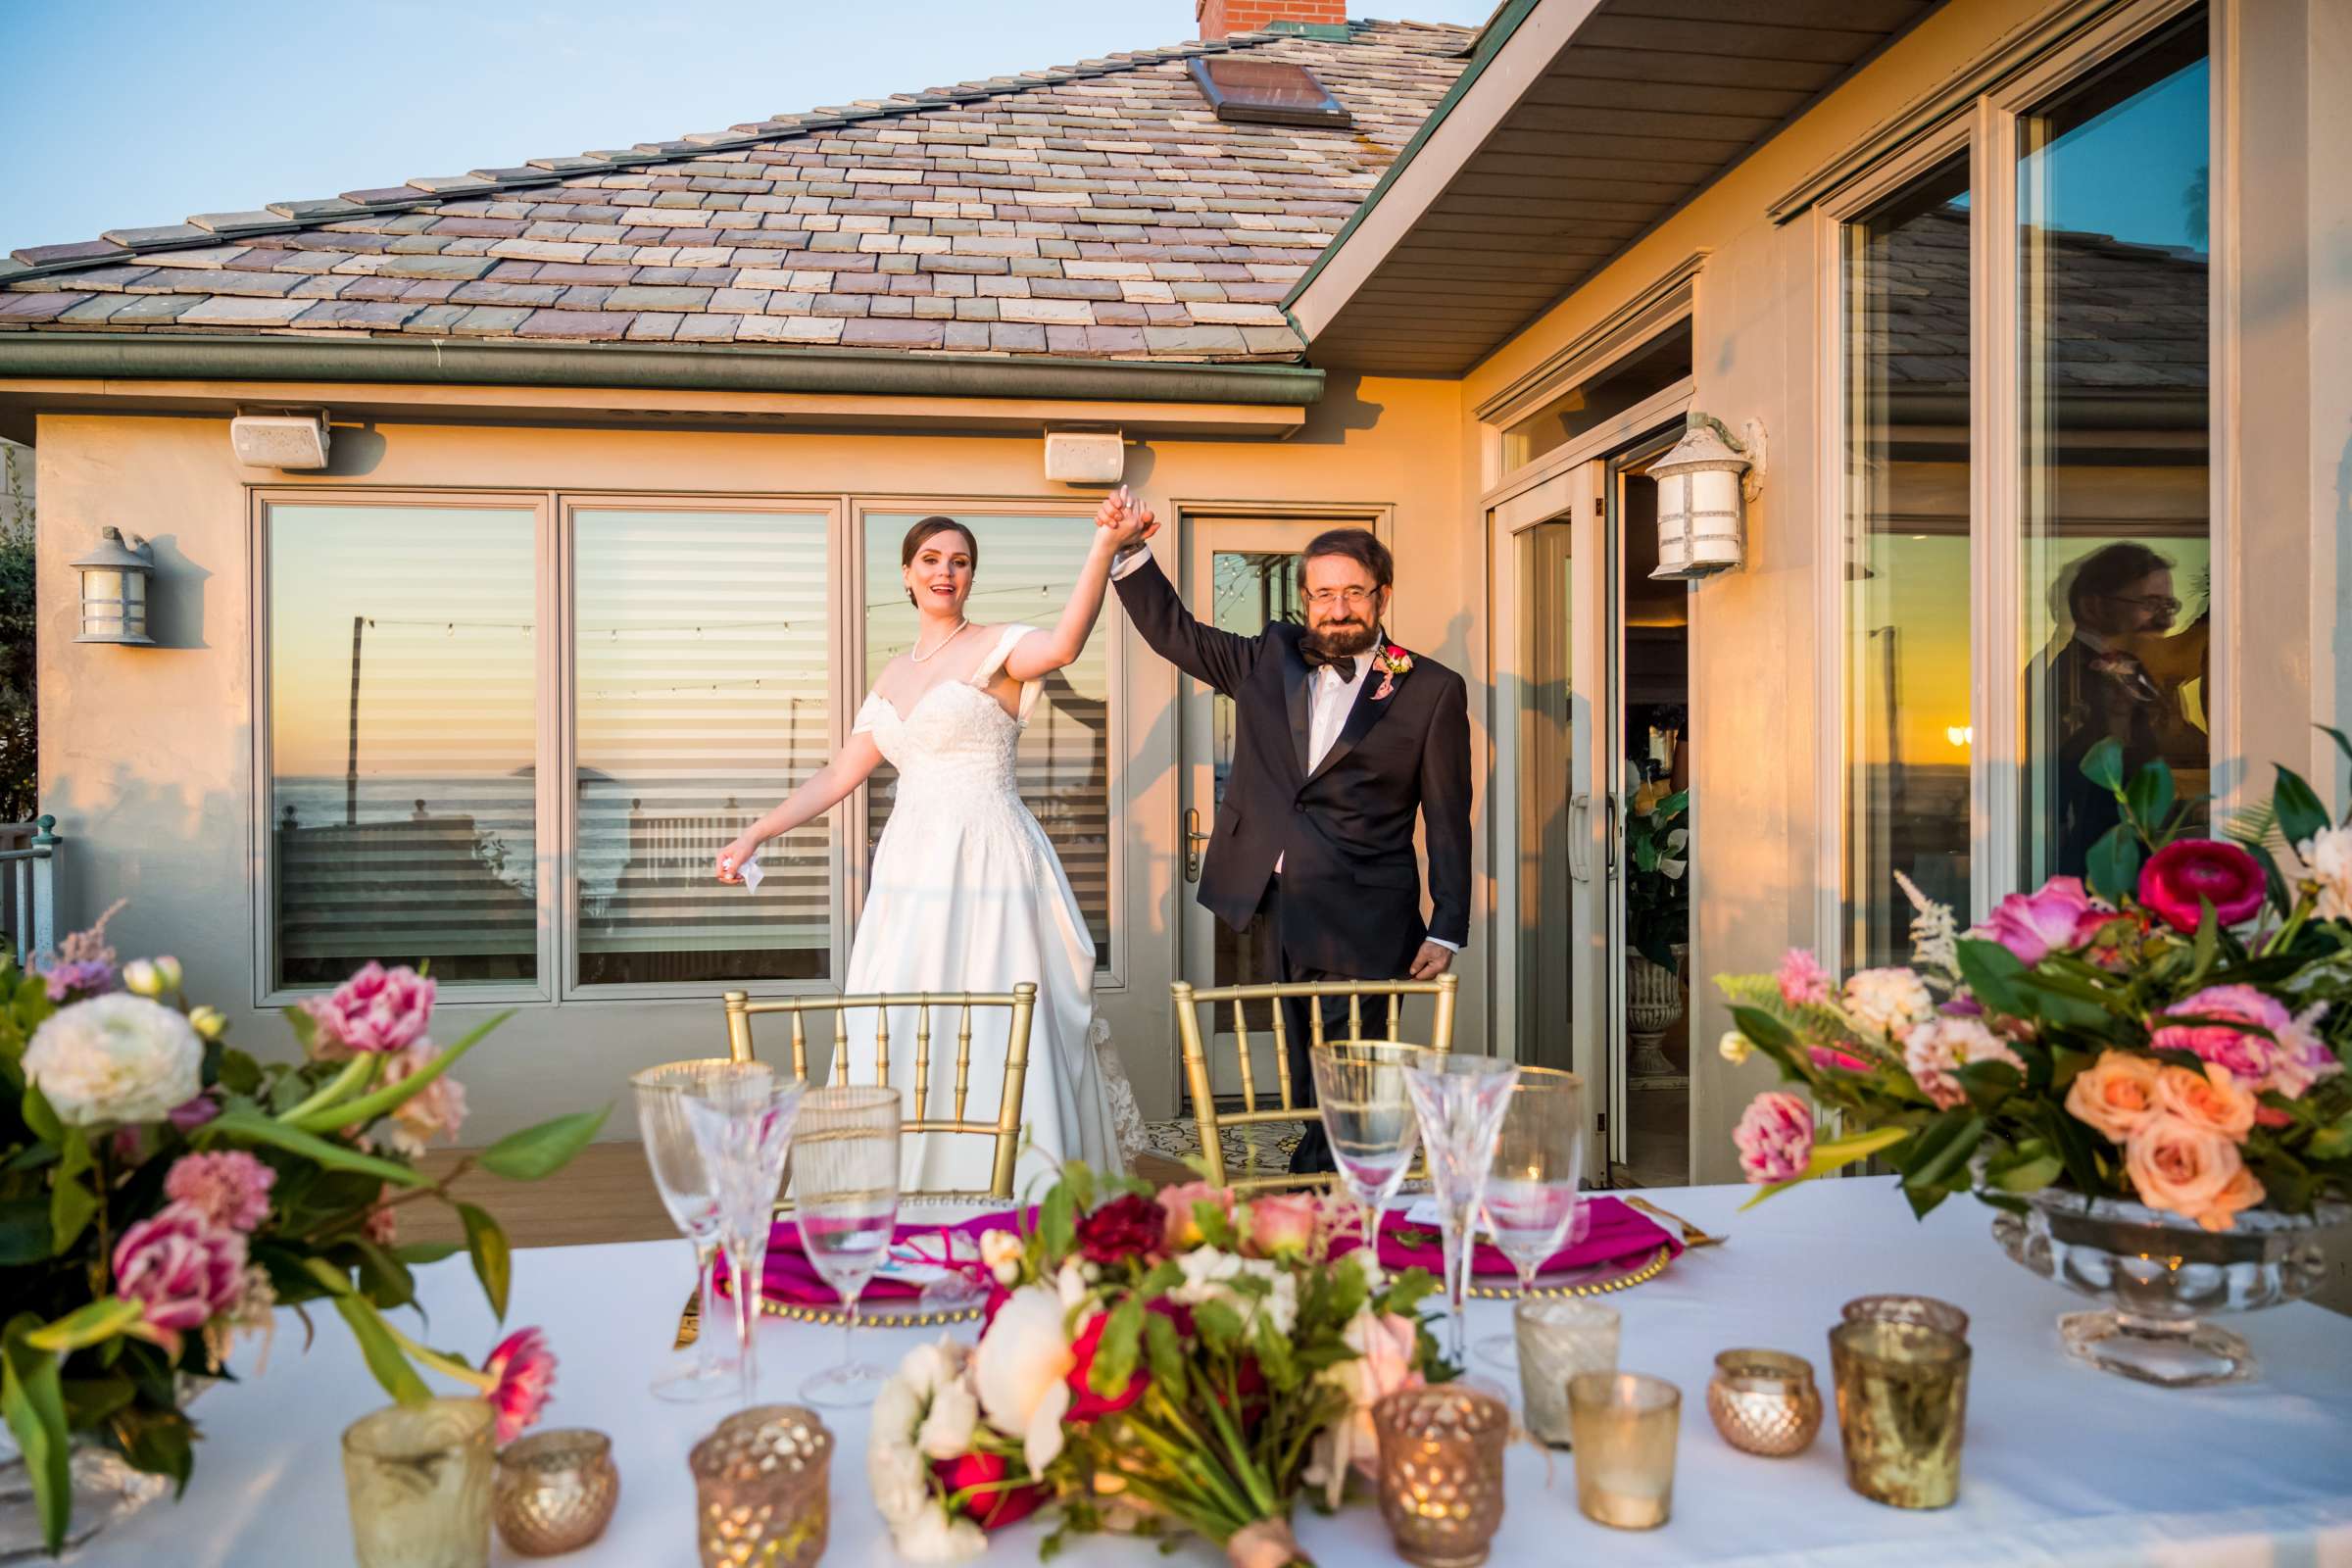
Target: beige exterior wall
[147, 753]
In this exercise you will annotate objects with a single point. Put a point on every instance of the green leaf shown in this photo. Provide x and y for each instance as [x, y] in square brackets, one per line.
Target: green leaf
[2301, 816]
[34, 1405]
[41, 1117]
[358, 1112]
[2114, 862]
[71, 1203]
[91, 1400]
[161, 1442]
[416, 1254]
[1763, 1028]
[240, 1074]
[383, 1354]
[2150, 796]
[544, 1150]
[86, 1325]
[1057, 1220]
[1116, 1351]
[24, 1231]
[2103, 764]
[2332, 1141]
[1943, 1149]
[1219, 1325]
[493, 1258]
[260, 1129]
[1990, 971]
[2027, 1168]
[384, 1277]
[1988, 1083]
[2343, 742]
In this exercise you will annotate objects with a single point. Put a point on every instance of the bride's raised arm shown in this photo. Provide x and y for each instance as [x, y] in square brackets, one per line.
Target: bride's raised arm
[1119, 523]
[818, 794]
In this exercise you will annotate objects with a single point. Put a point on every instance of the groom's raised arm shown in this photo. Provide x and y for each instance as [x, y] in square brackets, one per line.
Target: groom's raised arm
[1211, 654]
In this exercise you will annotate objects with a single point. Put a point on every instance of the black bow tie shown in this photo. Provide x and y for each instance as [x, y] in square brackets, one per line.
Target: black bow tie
[1316, 658]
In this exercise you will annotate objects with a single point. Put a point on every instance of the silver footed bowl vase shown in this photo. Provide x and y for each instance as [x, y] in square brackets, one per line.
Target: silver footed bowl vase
[2160, 1276]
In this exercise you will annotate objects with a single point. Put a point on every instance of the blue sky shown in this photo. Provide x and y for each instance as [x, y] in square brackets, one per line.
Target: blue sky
[124, 114]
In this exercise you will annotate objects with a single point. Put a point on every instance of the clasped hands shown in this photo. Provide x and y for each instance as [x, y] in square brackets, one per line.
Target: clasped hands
[1128, 521]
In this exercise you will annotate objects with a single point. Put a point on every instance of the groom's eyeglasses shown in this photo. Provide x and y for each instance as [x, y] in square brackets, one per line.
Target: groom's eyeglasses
[1352, 597]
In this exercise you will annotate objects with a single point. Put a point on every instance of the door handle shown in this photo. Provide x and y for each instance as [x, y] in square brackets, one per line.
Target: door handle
[1611, 800]
[1194, 838]
[1580, 821]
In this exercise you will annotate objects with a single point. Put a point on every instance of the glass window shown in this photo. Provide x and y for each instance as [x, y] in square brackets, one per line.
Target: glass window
[1028, 566]
[2114, 263]
[704, 658]
[403, 724]
[1648, 370]
[1273, 92]
[1547, 779]
[1907, 725]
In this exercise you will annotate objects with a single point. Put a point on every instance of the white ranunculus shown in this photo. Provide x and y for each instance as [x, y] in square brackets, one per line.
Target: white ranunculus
[141, 979]
[1888, 1001]
[1735, 1047]
[2327, 856]
[1208, 1275]
[927, 1367]
[947, 1431]
[1019, 1373]
[898, 1479]
[114, 1059]
[932, 1537]
[1001, 1252]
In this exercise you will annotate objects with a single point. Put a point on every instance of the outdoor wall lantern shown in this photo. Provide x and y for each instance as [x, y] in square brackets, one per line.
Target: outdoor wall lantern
[114, 589]
[1705, 484]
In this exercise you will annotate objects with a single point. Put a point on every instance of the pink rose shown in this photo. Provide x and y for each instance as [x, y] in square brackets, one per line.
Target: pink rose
[1178, 1201]
[1774, 1138]
[2062, 915]
[2291, 1059]
[1937, 1049]
[230, 1190]
[2210, 1100]
[1282, 1224]
[179, 1267]
[2115, 1095]
[522, 1369]
[1803, 981]
[2186, 871]
[377, 1009]
[2189, 1170]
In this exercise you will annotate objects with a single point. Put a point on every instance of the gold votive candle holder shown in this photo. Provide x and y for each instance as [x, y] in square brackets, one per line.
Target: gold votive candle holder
[556, 1491]
[1626, 1425]
[1764, 1403]
[760, 1484]
[1559, 1338]
[1941, 1316]
[1441, 1472]
[1902, 1409]
[418, 1481]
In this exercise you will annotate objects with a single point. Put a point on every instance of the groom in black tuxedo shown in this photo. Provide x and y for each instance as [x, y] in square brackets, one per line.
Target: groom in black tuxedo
[1341, 737]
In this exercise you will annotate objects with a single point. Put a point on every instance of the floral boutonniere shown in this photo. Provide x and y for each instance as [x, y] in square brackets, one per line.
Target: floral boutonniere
[1394, 662]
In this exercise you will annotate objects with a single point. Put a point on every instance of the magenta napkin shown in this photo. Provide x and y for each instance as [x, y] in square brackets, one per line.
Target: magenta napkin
[791, 1278]
[1616, 1235]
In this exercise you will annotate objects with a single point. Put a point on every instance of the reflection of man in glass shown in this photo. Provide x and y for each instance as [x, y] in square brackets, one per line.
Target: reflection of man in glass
[2122, 604]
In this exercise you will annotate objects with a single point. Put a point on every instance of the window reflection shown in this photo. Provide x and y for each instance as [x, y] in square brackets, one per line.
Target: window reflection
[1591, 404]
[2112, 210]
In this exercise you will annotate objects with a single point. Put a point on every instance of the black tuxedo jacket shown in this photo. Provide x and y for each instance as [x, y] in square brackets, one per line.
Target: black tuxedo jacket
[1344, 832]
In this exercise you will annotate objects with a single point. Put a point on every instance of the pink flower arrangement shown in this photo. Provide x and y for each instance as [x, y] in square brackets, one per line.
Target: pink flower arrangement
[1802, 980]
[521, 1370]
[2187, 874]
[229, 1190]
[2060, 917]
[1774, 1138]
[2290, 1058]
[376, 1009]
[181, 1267]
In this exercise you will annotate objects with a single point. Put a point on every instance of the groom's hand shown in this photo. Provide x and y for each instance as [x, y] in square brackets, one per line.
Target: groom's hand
[1433, 961]
[1129, 522]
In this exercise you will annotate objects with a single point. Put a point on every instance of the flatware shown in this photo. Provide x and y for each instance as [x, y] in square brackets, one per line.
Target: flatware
[1693, 1236]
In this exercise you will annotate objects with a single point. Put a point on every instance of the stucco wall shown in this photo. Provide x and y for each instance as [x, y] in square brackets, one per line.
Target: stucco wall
[146, 752]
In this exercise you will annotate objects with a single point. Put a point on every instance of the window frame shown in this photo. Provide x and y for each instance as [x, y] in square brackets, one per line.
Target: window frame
[1329, 115]
[1986, 126]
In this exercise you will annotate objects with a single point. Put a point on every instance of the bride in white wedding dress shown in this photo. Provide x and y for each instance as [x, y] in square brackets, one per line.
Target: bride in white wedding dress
[965, 892]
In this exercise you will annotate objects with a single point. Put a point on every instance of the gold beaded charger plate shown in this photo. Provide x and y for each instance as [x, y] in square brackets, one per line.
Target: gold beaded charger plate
[1600, 1279]
[900, 1313]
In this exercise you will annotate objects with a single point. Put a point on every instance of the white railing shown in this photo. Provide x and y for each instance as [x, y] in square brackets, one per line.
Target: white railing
[29, 886]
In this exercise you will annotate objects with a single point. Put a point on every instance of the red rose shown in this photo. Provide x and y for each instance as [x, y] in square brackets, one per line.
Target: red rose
[2182, 874]
[998, 1507]
[1085, 1403]
[1128, 1226]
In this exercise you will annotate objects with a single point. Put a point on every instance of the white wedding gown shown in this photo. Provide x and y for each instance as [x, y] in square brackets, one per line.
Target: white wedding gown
[967, 894]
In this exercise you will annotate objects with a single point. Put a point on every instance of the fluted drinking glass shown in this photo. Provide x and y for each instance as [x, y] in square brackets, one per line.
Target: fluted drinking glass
[1460, 1101]
[1368, 1117]
[685, 1185]
[743, 1121]
[846, 1189]
[1531, 1197]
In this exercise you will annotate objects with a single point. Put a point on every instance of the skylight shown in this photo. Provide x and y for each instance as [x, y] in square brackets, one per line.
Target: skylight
[1266, 92]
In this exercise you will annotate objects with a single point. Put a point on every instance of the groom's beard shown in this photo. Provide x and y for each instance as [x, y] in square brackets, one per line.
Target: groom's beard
[1341, 639]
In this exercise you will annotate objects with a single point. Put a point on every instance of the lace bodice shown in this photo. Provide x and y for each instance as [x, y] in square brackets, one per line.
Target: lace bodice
[955, 743]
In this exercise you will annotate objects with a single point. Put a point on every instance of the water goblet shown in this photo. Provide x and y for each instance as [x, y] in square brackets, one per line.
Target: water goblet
[685, 1185]
[846, 1180]
[1368, 1117]
[1532, 1201]
[1459, 1101]
[743, 1121]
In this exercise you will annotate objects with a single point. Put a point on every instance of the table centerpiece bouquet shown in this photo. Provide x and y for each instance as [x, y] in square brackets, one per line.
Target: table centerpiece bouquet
[162, 1192]
[1154, 1365]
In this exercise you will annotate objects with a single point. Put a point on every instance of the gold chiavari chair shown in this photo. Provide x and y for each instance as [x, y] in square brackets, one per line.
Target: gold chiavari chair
[1213, 1122]
[1005, 1126]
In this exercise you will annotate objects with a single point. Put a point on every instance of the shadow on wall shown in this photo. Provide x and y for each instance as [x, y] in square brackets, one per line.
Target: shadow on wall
[175, 598]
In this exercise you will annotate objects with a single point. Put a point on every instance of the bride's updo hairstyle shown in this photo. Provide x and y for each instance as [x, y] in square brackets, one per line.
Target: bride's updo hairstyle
[924, 530]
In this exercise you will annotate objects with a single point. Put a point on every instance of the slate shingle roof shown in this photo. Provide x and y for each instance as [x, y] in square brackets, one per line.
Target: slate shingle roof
[1099, 211]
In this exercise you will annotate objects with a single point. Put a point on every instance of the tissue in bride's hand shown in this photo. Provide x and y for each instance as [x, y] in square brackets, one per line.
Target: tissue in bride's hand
[752, 873]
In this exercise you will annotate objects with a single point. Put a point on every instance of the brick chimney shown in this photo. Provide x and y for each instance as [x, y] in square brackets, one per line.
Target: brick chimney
[1220, 19]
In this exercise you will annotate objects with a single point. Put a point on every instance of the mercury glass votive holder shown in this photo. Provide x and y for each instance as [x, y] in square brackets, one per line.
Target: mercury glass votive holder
[1925, 1310]
[1559, 1336]
[556, 1491]
[1625, 1426]
[760, 1484]
[1764, 1403]
[418, 1481]
[1441, 1472]
[1902, 1407]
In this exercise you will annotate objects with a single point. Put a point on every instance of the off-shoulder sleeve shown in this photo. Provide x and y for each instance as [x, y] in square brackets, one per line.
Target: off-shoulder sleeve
[1007, 642]
[864, 720]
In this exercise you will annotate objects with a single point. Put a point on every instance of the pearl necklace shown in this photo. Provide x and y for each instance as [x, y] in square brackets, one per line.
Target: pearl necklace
[961, 626]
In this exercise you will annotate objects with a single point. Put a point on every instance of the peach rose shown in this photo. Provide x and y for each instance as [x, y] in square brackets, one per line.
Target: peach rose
[2193, 1171]
[1282, 1224]
[2243, 1191]
[2210, 1099]
[2114, 1096]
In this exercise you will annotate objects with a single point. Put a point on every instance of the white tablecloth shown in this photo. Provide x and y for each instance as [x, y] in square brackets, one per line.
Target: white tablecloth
[2063, 1463]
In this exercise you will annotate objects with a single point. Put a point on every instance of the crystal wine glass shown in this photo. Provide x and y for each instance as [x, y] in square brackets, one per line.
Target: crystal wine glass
[686, 1189]
[743, 1123]
[1368, 1116]
[1532, 1204]
[846, 1187]
[1459, 1100]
